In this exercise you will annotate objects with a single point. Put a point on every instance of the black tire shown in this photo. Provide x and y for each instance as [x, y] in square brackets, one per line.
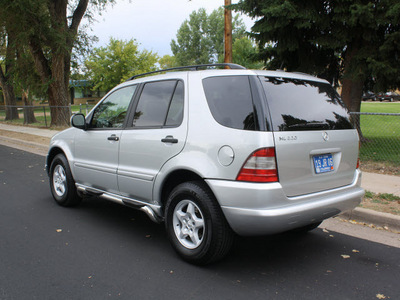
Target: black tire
[195, 224]
[62, 184]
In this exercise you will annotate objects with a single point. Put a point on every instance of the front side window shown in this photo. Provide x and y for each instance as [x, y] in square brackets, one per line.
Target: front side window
[112, 111]
[160, 104]
[230, 101]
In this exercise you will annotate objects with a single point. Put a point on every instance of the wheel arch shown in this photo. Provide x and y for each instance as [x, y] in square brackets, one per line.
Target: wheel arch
[173, 179]
[53, 152]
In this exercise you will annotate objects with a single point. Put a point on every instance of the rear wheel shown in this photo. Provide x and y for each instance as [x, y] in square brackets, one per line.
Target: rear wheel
[195, 224]
[62, 184]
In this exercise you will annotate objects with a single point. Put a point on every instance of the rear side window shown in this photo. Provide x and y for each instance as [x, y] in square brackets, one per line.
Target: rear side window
[299, 105]
[160, 104]
[230, 101]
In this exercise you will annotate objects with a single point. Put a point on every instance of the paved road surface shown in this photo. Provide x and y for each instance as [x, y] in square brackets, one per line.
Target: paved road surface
[102, 250]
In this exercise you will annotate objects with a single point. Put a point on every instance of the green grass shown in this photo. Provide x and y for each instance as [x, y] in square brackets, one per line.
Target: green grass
[381, 134]
[381, 107]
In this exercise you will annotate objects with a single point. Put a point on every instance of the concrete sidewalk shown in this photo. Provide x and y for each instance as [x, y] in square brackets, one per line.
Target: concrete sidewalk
[29, 130]
[373, 182]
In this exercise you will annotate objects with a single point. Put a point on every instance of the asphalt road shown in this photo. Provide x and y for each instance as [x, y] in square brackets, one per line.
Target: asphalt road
[102, 250]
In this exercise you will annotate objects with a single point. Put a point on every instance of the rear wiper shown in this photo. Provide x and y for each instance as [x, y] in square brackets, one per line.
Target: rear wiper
[309, 126]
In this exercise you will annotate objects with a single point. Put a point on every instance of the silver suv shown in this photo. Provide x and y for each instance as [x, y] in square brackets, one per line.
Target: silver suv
[214, 152]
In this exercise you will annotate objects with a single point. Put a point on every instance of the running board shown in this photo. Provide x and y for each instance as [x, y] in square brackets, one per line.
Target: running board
[152, 211]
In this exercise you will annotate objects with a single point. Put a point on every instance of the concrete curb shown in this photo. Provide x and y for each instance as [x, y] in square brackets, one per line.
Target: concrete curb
[373, 217]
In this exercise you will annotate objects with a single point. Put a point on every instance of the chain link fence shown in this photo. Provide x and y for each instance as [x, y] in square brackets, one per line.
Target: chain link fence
[379, 132]
[379, 135]
[42, 112]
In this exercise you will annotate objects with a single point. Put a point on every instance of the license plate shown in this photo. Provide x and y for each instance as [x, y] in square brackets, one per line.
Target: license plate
[323, 163]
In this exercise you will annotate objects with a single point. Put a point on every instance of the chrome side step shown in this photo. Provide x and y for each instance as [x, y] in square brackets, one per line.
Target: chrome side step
[152, 211]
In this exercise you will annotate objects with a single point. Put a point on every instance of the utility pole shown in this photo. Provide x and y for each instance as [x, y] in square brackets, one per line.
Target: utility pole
[228, 33]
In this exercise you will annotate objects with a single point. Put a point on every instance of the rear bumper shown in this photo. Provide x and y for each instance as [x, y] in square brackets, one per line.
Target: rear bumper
[260, 209]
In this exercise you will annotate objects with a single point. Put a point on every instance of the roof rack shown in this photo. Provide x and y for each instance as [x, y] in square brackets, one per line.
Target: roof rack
[192, 68]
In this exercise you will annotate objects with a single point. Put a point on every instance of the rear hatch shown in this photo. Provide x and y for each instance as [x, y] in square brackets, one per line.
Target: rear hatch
[316, 145]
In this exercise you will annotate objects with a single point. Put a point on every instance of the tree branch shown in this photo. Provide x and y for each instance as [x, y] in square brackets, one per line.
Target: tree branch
[40, 60]
[78, 15]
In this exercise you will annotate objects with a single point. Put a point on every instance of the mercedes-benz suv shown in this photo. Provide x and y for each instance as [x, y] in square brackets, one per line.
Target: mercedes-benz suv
[212, 153]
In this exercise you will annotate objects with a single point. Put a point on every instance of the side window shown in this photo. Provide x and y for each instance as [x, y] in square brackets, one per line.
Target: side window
[175, 112]
[160, 104]
[112, 111]
[230, 101]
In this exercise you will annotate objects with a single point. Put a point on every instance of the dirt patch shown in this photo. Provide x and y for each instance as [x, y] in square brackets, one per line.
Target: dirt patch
[380, 168]
[25, 137]
[386, 203]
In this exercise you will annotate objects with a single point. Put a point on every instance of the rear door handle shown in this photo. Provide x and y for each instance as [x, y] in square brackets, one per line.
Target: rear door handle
[169, 139]
[113, 137]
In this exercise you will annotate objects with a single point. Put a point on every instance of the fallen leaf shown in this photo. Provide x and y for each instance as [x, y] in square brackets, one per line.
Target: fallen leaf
[331, 235]
[59, 230]
[355, 251]
[324, 230]
[345, 256]
[380, 296]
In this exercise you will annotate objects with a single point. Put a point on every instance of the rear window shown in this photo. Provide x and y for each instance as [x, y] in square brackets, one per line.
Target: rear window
[230, 101]
[304, 105]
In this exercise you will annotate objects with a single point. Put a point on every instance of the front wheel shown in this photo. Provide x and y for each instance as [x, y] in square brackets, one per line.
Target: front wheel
[196, 225]
[62, 184]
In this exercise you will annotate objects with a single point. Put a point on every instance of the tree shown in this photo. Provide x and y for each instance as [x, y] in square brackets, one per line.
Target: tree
[245, 53]
[7, 65]
[119, 60]
[50, 29]
[167, 61]
[200, 40]
[356, 42]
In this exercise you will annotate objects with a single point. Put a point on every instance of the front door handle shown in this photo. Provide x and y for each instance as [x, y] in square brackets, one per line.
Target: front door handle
[169, 139]
[113, 137]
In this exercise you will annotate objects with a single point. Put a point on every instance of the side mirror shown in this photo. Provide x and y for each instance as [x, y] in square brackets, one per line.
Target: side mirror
[78, 121]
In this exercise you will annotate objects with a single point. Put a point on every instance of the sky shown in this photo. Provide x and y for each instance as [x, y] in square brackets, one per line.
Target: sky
[153, 23]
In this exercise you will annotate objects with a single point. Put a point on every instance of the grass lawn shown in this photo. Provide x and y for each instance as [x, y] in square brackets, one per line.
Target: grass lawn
[381, 133]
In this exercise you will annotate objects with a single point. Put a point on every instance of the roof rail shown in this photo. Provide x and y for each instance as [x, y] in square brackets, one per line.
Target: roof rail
[192, 68]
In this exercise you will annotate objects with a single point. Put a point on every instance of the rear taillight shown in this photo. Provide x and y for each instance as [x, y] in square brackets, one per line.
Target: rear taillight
[358, 157]
[260, 167]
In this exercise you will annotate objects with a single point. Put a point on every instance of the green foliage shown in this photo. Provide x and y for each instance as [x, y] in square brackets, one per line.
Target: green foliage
[118, 61]
[245, 53]
[200, 40]
[167, 61]
[338, 39]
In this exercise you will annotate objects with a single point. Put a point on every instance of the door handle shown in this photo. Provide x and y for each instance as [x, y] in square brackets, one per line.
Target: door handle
[169, 139]
[113, 137]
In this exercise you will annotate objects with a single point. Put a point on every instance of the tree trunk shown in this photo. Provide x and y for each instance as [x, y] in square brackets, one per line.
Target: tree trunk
[58, 92]
[29, 114]
[352, 88]
[9, 101]
[6, 80]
